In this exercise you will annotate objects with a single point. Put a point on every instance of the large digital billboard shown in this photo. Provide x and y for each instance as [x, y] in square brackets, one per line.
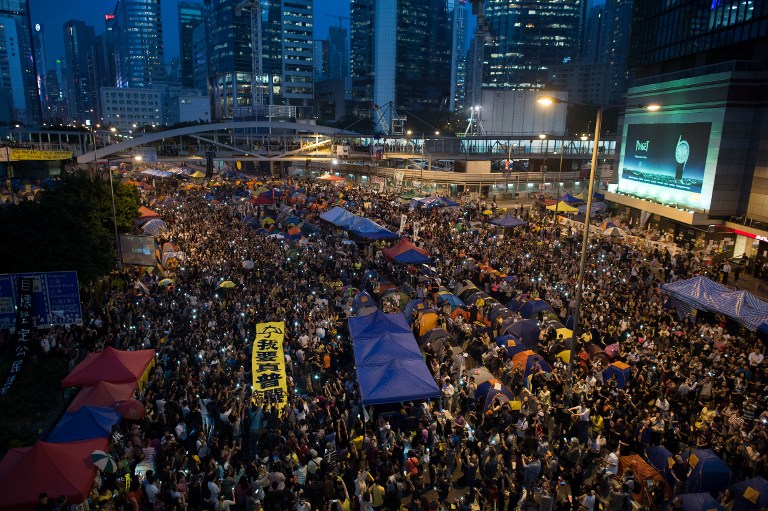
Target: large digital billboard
[667, 155]
[138, 250]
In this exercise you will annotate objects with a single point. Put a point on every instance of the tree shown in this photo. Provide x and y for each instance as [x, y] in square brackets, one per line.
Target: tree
[71, 228]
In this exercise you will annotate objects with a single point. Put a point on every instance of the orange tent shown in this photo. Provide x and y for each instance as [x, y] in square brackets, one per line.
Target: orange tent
[147, 214]
[643, 472]
[427, 321]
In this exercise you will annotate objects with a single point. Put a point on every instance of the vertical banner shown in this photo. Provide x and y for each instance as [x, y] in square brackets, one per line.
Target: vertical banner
[416, 227]
[23, 332]
[403, 218]
[269, 380]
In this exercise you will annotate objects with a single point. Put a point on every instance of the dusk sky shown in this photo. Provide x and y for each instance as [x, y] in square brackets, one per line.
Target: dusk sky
[52, 14]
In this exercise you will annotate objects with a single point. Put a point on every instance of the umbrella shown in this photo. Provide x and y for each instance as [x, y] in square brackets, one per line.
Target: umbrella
[165, 282]
[227, 284]
[103, 462]
[130, 409]
[267, 221]
[487, 212]
[248, 264]
[614, 231]
[293, 231]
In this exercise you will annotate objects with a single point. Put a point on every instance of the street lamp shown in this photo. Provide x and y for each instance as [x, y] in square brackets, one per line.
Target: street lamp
[547, 101]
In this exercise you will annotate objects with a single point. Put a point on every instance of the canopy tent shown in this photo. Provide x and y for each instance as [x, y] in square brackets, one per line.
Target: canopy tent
[532, 307]
[406, 252]
[492, 393]
[662, 460]
[112, 366]
[703, 293]
[570, 199]
[620, 370]
[102, 394]
[390, 367]
[368, 229]
[709, 473]
[643, 473]
[527, 330]
[433, 202]
[750, 495]
[334, 214]
[508, 221]
[597, 207]
[700, 502]
[86, 423]
[156, 173]
[595, 195]
[562, 207]
[61, 470]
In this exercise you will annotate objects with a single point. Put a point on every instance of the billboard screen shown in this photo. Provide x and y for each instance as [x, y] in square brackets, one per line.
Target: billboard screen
[667, 155]
[138, 250]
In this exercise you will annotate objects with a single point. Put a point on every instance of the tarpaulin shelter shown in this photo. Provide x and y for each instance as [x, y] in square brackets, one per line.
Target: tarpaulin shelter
[156, 173]
[703, 293]
[492, 392]
[709, 473]
[562, 207]
[700, 502]
[361, 301]
[643, 472]
[527, 330]
[750, 495]
[102, 394]
[61, 470]
[532, 307]
[508, 221]
[390, 366]
[86, 423]
[112, 366]
[662, 460]
[620, 370]
[406, 252]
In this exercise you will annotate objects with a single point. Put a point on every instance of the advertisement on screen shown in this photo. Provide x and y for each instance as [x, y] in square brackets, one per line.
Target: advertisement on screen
[138, 250]
[667, 155]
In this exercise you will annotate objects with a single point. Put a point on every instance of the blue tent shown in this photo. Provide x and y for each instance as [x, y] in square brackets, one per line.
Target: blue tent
[413, 305]
[86, 423]
[515, 303]
[703, 293]
[412, 257]
[433, 202]
[451, 298]
[361, 301]
[333, 214]
[661, 459]
[514, 346]
[709, 473]
[570, 199]
[620, 370]
[390, 367]
[532, 307]
[508, 221]
[491, 392]
[700, 502]
[597, 207]
[370, 230]
[527, 330]
[750, 495]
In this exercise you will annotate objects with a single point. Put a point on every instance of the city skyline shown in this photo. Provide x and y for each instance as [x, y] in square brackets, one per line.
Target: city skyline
[53, 14]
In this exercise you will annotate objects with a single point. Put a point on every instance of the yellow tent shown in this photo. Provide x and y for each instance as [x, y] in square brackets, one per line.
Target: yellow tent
[562, 207]
[565, 356]
[567, 333]
[197, 174]
[427, 321]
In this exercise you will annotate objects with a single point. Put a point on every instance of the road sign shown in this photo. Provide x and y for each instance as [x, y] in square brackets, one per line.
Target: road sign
[55, 299]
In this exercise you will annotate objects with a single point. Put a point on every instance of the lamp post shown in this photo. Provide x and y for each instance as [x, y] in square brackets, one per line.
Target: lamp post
[545, 100]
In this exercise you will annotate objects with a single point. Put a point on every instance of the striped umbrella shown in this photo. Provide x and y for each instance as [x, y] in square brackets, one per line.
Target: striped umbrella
[103, 462]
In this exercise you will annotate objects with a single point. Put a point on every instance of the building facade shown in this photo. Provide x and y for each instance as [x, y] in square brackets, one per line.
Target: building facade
[41, 67]
[190, 16]
[19, 94]
[139, 57]
[79, 41]
[459, 13]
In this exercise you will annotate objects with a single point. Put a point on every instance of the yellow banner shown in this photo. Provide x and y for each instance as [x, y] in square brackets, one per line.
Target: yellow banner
[269, 380]
[35, 154]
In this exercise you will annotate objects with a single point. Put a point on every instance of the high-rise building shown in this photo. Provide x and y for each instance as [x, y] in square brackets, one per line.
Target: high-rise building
[338, 52]
[79, 40]
[618, 20]
[401, 53]
[19, 94]
[41, 63]
[102, 61]
[287, 56]
[138, 43]
[200, 58]
[459, 13]
[529, 38]
[190, 15]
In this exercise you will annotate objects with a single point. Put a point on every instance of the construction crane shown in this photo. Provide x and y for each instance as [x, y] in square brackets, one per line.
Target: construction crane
[257, 67]
[339, 18]
[482, 36]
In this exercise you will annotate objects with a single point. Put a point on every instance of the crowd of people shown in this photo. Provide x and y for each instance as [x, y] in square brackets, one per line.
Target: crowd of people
[206, 442]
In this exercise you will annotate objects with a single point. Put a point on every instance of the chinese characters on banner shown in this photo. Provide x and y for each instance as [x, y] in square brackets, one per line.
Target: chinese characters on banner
[23, 332]
[269, 380]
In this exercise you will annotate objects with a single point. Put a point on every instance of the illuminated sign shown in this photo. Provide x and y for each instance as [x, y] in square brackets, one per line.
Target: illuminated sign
[37, 27]
[667, 155]
[750, 235]
[108, 17]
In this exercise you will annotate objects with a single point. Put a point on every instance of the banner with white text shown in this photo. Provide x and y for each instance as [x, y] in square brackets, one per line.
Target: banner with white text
[269, 380]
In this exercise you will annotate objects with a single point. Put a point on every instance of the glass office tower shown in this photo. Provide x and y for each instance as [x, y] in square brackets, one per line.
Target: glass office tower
[19, 94]
[138, 43]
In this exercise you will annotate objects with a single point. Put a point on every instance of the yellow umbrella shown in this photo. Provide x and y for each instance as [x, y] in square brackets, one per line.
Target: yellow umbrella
[165, 282]
[487, 212]
[227, 284]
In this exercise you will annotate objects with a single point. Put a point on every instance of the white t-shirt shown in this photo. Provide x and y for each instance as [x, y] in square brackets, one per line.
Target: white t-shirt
[152, 492]
[755, 359]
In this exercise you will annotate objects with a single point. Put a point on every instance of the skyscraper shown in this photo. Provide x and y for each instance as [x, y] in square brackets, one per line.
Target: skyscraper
[79, 40]
[528, 38]
[460, 17]
[338, 52]
[138, 43]
[41, 63]
[401, 53]
[19, 94]
[190, 15]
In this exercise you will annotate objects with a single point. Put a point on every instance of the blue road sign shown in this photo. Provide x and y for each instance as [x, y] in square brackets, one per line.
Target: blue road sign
[55, 299]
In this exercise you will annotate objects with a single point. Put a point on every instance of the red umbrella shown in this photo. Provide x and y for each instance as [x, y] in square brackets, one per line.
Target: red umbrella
[130, 409]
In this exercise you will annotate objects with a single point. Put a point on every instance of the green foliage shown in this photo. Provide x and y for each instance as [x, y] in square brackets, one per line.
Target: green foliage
[71, 228]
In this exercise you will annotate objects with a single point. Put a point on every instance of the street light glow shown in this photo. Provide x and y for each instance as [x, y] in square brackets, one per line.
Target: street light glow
[542, 136]
[653, 107]
[547, 100]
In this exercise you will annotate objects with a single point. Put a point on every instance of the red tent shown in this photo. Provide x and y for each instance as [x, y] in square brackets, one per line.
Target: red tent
[403, 246]
[112, 366]
[262, 201]
[58, 469]
[146, 214]
[103, 394]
